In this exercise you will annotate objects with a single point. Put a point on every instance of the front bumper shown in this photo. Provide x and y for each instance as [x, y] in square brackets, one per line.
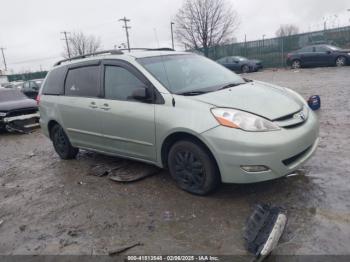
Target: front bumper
[281, 151]
[25, 121]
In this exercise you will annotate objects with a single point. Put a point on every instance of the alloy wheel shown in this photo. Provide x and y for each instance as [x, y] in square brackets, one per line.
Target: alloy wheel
[245, 69]
[340, 61]
[189, 169]
[296, 64]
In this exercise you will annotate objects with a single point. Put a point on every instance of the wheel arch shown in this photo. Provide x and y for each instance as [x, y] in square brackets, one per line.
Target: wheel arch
[171, 139]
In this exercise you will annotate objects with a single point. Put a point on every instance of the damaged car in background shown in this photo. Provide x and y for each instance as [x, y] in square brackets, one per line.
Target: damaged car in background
[17, 112]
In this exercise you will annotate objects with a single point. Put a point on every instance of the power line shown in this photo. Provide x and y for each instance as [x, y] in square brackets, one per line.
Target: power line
[35, 60]
[66, 39]
[3, 57]
[125, 20]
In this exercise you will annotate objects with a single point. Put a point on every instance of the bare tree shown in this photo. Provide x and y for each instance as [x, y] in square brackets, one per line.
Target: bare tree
[81, 44]
[205, 23]
[287, 30]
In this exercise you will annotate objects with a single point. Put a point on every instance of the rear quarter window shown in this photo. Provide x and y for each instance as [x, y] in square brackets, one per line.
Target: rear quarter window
[54, 83]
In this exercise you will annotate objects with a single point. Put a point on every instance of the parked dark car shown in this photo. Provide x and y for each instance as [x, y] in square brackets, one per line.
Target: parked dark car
[240, 64]
[318, 55]
[31, 88]
[17, 112]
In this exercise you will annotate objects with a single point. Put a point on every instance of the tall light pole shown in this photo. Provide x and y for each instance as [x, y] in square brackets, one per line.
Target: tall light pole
[172, 34]
[3, 57]
[126, 27]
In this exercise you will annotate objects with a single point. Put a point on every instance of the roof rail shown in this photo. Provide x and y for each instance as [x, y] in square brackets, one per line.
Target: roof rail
[112, 52]
[147, 49]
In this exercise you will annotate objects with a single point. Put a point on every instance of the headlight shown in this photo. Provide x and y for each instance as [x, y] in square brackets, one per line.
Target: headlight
[2, 114]
[238, 119]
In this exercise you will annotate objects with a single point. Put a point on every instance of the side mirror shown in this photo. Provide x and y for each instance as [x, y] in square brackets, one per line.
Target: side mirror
[329, 52]
[140, 93]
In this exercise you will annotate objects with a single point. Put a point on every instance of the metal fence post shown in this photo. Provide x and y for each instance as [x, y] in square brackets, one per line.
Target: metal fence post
[282, 52]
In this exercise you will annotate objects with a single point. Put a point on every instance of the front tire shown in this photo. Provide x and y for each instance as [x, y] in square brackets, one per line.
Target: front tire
[245, 69]
[61, 143]
[340, 61]
[193, 168]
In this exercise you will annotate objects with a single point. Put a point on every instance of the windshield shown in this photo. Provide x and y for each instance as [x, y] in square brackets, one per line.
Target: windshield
[334, 48]
[186, 73]
[241, 58]
[38, 83]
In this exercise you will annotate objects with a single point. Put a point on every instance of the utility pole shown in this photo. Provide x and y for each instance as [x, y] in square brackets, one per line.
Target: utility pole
[66, 39]
[172, 34]
[3, 57]
[126, 27]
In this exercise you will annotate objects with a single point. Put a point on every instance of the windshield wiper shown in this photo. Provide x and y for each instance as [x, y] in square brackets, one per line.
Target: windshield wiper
[230, 85]
[193, 93]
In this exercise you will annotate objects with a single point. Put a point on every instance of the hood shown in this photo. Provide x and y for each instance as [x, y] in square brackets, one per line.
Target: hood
[17, 104]
[344, 51]
[266, 100]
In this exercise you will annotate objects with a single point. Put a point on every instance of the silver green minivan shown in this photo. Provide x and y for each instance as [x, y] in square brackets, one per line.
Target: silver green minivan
[179, 111]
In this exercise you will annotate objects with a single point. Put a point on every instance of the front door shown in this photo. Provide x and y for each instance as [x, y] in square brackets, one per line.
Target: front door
[308, 56]
[128, 125]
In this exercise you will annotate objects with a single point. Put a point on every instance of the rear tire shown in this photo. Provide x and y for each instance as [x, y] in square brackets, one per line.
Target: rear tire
[61, 143]
[340, 61]
[296, 64]
[193, 168]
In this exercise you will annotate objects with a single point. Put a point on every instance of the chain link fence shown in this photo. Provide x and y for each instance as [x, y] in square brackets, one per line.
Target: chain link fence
[273, 51]
[27, 76]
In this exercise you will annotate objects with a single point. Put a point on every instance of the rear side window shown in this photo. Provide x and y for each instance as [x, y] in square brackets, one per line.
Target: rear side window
[83, 81]
[306, 49]
[120, 83]
[54, 83]
[321, 49]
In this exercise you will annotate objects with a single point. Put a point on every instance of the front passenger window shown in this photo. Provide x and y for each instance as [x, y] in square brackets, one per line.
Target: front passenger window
[120, 83]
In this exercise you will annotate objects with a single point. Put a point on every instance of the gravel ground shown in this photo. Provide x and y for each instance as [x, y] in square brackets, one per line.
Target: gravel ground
[50, 206]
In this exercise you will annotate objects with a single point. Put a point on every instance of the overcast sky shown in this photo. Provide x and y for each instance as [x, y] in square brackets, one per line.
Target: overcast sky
[30, 29]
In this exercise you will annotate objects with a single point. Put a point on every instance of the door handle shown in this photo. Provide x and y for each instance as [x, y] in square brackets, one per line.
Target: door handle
[93, 105]
[105, 107]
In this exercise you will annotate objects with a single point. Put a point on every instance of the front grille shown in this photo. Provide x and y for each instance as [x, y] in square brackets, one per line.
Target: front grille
[287, 117]
[295, 158]
[295, 125]
[293, 120]
[20, 112]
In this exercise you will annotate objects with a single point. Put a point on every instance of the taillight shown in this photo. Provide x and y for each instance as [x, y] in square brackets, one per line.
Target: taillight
[37, 99]
[289, 55]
